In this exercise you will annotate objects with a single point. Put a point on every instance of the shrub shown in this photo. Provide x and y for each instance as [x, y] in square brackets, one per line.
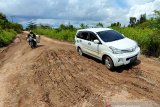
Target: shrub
[6, 37]
[153, 48]
[8, 30]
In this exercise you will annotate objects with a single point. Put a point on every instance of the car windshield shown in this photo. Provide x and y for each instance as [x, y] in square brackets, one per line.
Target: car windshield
[110, 35]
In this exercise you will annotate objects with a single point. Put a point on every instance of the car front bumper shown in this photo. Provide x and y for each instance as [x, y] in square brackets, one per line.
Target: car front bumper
[125, 58]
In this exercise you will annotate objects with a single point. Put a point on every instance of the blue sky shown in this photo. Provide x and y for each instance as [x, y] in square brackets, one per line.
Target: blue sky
[56, 12]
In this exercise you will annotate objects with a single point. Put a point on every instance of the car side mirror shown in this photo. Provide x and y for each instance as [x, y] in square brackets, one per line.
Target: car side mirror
[96, 41]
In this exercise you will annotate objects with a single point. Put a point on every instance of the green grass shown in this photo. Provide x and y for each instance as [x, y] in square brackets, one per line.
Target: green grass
[142, 36]
[147, 39]
[8, 30]
[6, 37]
[67, 35]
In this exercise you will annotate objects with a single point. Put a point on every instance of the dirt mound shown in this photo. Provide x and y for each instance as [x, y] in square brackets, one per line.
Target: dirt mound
[54, 75]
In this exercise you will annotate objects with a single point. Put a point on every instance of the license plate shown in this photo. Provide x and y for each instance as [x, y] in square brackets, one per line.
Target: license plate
[133, 59]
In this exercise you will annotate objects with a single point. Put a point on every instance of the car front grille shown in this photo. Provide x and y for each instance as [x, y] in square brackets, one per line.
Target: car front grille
[131, 57]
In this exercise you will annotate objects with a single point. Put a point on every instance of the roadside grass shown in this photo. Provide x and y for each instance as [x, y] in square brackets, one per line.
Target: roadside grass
[66, 35]
[148, 39]
[8, 30]
[141, 36]
[6, 36]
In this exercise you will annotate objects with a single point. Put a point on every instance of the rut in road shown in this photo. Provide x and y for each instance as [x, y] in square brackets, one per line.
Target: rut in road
[54, 75]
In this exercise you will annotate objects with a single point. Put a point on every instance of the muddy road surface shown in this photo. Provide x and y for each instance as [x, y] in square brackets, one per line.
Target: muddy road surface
[54, 75]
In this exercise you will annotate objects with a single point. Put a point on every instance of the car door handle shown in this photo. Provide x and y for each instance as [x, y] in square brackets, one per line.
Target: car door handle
[89, 43]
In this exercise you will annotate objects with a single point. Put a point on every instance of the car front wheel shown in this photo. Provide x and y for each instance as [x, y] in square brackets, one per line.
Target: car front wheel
[80, 51]
[109, 63]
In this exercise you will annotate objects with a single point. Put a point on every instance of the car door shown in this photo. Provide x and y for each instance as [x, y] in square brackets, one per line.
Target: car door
[84, 42]
[93, 47]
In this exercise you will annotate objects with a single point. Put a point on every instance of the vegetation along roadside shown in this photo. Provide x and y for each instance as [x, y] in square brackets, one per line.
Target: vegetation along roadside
[8, 30]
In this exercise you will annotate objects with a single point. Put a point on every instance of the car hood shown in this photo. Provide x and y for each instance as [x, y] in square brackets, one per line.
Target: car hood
[125, 43]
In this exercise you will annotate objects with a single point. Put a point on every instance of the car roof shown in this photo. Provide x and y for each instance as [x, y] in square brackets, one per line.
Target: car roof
[95, 29]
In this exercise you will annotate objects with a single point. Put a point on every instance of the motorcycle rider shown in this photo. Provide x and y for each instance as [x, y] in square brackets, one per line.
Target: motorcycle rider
[31, 37]
[31, 34]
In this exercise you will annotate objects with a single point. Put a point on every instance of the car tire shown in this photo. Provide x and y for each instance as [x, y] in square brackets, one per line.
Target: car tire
[80, 52]
[108, 63]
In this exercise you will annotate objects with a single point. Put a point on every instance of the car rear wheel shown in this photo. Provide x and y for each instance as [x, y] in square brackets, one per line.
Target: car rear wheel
[80, 51]
[108, 63]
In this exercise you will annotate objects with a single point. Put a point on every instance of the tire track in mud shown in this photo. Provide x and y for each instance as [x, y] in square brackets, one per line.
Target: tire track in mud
[138, 85]
[99, 80]
[65, 80]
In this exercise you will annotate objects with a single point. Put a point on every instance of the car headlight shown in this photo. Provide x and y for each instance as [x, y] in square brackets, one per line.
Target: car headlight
[115, 50]
[137, 45]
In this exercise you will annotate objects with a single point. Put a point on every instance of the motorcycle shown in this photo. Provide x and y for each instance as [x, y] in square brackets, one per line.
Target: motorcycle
[32, 42]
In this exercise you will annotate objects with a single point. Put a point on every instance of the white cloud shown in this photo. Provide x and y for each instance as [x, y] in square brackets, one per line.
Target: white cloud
[76, 11]
[137, 2]
[147, 8]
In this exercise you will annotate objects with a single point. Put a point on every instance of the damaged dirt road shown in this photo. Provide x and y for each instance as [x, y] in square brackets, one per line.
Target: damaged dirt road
[54, 75]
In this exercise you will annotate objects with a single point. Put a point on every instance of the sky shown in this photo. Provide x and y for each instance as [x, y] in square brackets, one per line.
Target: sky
[75, 12]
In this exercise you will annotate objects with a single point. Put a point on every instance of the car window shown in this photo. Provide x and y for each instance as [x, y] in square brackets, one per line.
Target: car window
[109, 36]
[85, 35]
[92, 37]
[79, 35]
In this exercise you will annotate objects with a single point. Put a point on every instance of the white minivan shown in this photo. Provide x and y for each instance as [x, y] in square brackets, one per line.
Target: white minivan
[107, 45]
